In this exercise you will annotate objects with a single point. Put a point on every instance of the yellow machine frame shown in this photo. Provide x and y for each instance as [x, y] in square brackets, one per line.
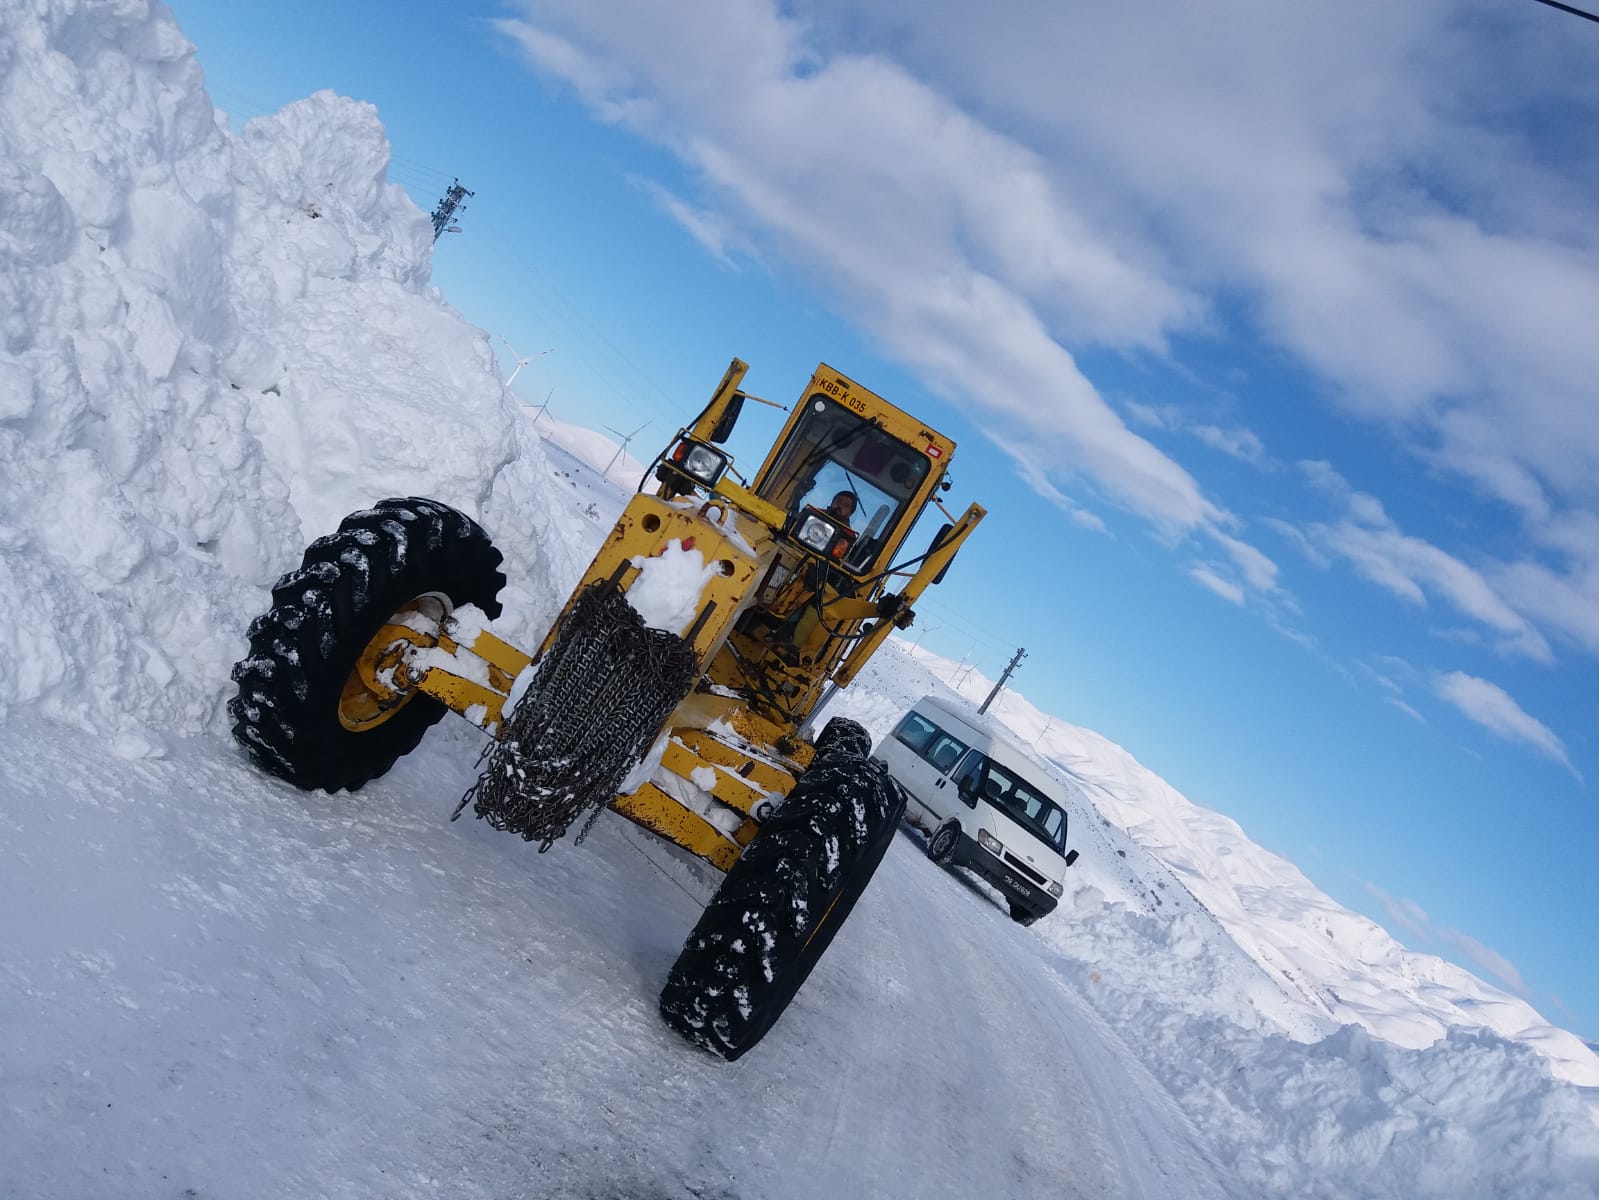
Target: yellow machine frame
[732, 749]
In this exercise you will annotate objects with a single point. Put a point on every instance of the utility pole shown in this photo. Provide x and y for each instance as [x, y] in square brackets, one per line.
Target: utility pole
[1014, 662]
[455, 197]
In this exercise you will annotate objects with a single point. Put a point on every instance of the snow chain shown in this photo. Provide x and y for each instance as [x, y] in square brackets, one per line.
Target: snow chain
[602, 691]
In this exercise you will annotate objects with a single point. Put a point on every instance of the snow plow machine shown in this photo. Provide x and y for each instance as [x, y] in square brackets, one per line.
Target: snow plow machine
[677, 686]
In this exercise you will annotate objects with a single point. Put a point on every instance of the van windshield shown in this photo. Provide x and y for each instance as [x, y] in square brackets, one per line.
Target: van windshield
[1022, 803]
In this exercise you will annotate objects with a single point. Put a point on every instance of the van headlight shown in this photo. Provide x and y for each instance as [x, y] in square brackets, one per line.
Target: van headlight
[990, 843]
[1055, 890]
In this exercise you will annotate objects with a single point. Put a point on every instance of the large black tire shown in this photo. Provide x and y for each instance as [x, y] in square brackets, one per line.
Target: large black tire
[323, 615]
[783, 901]
[1023, 916]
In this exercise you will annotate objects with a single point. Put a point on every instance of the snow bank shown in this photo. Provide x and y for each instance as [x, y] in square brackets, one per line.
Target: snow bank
[1474, 1114]
[212, 347]
[1293, 1102]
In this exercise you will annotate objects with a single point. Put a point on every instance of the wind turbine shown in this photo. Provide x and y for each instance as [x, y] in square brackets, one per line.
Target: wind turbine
[626, 438]
[542, 407]
[521, 361]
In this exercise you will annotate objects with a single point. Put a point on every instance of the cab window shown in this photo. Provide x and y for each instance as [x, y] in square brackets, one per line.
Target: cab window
[832, 450]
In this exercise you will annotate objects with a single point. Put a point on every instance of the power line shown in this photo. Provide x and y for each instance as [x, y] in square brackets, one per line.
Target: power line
[1576, 12]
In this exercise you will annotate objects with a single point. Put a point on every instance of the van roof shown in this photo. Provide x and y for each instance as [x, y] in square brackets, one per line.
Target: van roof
[1001, 735]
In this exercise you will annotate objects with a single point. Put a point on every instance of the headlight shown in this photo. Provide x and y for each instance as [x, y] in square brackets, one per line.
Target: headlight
[990, 843]
[700, 462]
[816, 533]
[704, 464]
[1055, 889]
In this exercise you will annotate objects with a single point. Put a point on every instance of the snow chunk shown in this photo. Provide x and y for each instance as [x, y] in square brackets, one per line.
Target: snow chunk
[667, 591]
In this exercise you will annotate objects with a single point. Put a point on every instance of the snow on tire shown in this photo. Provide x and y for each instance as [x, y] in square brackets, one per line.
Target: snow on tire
[304, 650]
[843, 734]
[783, 901]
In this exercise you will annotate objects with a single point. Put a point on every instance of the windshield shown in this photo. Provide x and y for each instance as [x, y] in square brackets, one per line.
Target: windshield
[849, 466]
[1022, 803]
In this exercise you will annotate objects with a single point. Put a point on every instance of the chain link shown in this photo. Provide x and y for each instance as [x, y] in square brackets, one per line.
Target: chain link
[602, 692]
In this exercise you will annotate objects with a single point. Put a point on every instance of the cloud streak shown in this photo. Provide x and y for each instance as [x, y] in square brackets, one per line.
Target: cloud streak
[956, 245]
[1413, 919]
[991, 193]
[1493, 708]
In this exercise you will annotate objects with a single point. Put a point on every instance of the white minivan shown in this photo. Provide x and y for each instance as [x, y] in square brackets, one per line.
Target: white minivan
[984, 804]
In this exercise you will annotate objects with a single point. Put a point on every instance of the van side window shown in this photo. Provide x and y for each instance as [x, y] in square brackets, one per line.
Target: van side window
[944, 752]
[916, 732]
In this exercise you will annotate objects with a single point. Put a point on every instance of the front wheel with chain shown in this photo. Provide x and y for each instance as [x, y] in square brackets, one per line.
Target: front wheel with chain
[784, 900]
[301, 711]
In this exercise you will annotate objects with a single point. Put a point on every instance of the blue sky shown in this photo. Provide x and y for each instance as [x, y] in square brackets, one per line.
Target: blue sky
[1266, 333]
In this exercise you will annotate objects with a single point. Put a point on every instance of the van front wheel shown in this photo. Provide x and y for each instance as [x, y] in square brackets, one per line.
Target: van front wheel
[942, 845]
[1022, 916]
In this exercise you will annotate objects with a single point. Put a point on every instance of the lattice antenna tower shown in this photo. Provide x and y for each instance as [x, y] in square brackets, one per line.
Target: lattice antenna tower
[453, 201]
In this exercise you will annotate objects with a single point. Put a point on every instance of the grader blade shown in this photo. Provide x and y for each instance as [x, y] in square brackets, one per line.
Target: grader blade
[602, 691]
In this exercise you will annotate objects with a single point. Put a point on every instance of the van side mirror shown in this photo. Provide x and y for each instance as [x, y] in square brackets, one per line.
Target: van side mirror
[966, 789]
[724, 425]
[1071, 857]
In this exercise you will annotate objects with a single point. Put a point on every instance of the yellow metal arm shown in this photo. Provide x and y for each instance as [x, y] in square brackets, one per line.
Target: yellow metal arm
[934, 563]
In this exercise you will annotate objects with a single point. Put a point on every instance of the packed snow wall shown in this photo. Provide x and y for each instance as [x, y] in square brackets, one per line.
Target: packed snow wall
[212, 347]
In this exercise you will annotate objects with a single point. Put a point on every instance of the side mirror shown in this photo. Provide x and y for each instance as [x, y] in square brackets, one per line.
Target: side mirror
[1071, 857]
[724, 424]
[938, 540]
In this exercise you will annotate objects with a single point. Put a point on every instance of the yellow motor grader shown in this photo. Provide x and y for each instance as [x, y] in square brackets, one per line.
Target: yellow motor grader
[676, 687]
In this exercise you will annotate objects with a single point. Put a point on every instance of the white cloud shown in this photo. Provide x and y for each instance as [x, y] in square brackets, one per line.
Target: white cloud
[1493, 708]
[1412, 568]
[1237, 443]
[1208, 578]
[1257, 569]
[1407, 914]
[1406, 709]
[955, 244]
[1494, 963]
[982, 189]
[1414, 920]
[710, 229]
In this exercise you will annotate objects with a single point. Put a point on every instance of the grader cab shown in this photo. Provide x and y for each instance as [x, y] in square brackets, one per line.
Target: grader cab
[676, 686]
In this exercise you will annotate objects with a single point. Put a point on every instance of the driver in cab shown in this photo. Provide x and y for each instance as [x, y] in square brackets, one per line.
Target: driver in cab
[842, 508]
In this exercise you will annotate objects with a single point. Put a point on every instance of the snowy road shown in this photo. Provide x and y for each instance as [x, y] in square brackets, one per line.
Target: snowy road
[235, 988]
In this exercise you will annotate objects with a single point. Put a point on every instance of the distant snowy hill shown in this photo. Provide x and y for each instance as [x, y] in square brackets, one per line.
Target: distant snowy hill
[212, 346]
